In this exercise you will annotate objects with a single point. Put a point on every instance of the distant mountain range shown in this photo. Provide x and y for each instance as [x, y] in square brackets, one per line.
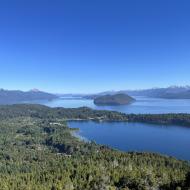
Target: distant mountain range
[17, 96]
[172, 92]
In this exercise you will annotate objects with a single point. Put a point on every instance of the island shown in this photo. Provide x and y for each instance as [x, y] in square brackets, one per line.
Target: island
[114, 100]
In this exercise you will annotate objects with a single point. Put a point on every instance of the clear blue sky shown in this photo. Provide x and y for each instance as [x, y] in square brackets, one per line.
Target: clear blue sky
[94, 45]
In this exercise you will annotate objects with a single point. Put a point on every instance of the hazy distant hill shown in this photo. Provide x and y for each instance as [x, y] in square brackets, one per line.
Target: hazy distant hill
[17, 96]
[172, 92]
[117, 99]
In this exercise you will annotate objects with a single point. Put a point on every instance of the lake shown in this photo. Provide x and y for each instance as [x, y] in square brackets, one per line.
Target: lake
[167, 140]
[142, 105]
[172, 141]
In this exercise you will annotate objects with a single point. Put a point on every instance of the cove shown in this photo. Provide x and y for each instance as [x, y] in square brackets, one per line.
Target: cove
[166, 140]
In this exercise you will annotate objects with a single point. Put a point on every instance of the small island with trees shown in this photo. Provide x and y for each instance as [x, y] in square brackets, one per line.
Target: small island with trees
[114, 100]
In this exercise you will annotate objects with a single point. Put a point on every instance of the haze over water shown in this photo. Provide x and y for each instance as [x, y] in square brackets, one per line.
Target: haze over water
[142, 105]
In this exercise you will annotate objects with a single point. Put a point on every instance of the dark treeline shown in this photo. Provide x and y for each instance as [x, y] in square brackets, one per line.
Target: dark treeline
[85, 113]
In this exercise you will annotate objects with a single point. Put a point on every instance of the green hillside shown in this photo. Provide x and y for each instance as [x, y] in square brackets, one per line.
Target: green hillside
[39, 152]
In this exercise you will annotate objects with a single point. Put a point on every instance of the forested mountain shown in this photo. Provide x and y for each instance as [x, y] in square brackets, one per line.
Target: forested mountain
[39, 152]
[17, 96]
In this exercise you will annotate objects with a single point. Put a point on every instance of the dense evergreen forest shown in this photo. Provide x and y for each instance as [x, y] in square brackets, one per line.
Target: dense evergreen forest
[39, 152]
[85, 113]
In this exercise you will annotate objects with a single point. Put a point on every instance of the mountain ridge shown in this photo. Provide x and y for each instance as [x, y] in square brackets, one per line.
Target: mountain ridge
[18, 96]
[171, 92]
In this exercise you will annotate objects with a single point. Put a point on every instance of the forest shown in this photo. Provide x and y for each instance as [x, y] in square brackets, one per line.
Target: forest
[85, 113]
[38, 151]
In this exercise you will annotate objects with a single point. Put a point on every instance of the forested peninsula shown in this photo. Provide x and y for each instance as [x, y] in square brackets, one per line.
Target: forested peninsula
[39, 152]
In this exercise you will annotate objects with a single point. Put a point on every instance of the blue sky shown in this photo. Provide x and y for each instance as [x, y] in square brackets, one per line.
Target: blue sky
[94, 45]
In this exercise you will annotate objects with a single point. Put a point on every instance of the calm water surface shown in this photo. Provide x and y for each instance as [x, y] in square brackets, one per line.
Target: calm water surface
[172, 141]
[166, 140]
[142, 105]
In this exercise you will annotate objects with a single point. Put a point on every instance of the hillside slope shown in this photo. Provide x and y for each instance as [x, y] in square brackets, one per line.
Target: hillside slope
[38, 151]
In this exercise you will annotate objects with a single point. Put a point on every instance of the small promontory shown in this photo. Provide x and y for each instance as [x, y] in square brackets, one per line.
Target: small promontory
[114, 100]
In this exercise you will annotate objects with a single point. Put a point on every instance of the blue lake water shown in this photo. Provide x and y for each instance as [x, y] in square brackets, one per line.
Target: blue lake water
[142, 105]
[167, 140]
[172, 141]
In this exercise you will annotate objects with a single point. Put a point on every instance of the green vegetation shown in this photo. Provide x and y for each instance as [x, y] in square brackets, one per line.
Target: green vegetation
[38, 152]
[84, 113]
[116, 99]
